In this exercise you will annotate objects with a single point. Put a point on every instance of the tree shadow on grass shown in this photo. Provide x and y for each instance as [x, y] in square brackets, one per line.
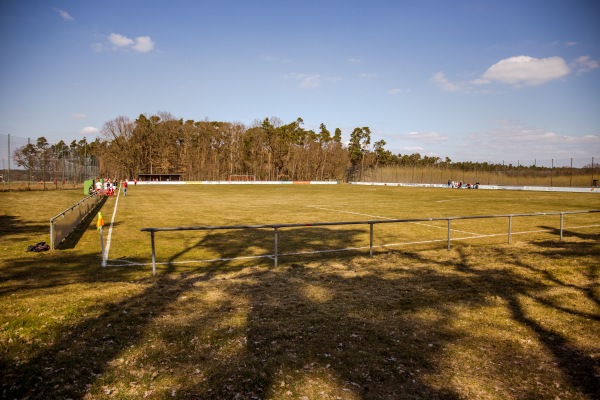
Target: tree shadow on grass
[580, 367]
[570, 233]
[12, 225]
[81, 353]
[222, 330]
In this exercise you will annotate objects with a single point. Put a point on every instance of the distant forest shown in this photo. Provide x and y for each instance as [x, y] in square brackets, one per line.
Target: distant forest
[269, 149]
[207, 150]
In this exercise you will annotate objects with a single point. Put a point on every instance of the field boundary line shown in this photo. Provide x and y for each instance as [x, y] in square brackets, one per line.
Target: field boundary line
[390, 219]
[110, 228]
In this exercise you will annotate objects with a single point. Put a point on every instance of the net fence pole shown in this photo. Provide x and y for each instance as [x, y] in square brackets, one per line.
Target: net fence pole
[509, 227]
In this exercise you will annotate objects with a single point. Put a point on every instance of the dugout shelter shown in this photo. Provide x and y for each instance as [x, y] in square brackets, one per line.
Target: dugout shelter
[159, 177]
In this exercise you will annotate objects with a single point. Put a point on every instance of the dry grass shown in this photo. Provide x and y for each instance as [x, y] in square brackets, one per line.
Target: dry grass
[499, 321]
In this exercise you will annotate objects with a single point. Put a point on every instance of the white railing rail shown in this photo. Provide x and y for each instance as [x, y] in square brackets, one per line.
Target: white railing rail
[371, 224]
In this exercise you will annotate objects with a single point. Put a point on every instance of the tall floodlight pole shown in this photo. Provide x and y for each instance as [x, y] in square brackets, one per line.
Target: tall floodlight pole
[571, 177]
[592, 170]
[8, 174]
[84, 158]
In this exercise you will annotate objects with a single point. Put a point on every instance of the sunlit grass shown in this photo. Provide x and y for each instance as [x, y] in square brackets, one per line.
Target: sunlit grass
[485, 320]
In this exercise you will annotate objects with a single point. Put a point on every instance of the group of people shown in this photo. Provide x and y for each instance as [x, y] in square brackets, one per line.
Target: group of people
[460, 185]
[108, 187]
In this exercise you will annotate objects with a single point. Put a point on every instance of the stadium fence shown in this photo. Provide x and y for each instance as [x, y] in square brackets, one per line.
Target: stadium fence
[371, 224]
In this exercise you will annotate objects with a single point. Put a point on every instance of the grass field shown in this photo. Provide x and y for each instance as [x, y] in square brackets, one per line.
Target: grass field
[485, 320]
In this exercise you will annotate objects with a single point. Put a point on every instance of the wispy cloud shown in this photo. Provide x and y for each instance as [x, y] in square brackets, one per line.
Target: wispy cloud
[515, 141]
[396, 91]
[305, 81]
[354, 60]
[310, 81]
[367, 75]
[584, 64]
[64, 15]
[426, 137]
[440, 80]
[141, 44]
[78, 116]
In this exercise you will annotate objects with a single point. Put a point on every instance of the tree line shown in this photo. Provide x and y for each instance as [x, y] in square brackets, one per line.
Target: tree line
[269, 149]
[42, 161]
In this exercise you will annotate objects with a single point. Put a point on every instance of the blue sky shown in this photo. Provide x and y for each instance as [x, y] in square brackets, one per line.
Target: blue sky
[469, 80]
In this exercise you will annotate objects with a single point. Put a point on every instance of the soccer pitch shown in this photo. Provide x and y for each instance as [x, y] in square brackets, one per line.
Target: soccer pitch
[168, 206]
[485, 320]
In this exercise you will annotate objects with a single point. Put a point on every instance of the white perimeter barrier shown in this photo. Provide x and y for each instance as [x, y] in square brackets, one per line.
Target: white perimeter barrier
[489, 187]
[65, 222]
[235, 182]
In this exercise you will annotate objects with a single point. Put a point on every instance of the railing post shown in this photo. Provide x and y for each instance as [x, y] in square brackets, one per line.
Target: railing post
[370, 239]
[153, 253]
[275, 254]
[52, 234]
[275, 245]
[509, 227]
[449, 233]
[562, 215]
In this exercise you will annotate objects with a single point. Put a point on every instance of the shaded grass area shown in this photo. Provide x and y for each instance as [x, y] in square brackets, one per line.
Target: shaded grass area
[479, 321]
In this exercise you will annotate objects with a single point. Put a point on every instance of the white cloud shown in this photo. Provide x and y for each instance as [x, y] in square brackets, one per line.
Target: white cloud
[306, 81]
[120, 40]
[64, 15]
[426, 137]
[525, 70]
[443, 83]
[367, 75]
[519, 71]
[78, 116]
[141, 44]
[89, 130]
[309, 82]
[584, 64]
[354, 60]
[412, 149]
[512, 141]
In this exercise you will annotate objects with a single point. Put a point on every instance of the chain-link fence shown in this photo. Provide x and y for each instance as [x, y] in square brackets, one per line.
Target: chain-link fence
[36, 164]
[563, 172]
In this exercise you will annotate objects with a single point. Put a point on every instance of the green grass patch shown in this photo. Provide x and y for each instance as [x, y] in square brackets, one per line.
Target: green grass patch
[485, 320]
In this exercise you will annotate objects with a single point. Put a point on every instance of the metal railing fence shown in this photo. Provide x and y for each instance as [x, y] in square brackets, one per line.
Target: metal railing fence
[371, 224]
[62, 224]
